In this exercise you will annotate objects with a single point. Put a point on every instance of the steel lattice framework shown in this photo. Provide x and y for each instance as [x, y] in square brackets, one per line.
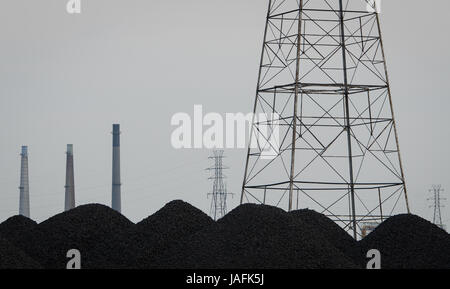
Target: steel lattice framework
[219, 193]
[436, 198]
[323, 71]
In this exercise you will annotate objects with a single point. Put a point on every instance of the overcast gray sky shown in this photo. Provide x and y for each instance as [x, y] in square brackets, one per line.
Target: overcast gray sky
[66, 78]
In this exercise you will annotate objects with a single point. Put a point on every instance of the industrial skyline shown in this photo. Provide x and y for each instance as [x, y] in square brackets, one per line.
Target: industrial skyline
[123, 66]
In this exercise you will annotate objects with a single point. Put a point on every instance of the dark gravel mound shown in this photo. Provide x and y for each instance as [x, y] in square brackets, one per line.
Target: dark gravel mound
[328, 230]
[17, 223]
[23, 233]
[256, 237]
[20, 231]
[12, 257]
[409, 242]
[167, 227]
[249, 237]
[97, 231]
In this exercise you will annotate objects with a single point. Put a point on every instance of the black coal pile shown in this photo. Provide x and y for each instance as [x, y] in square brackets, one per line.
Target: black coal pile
[12, 257]
[98, 232]
[327, 229]
[409, 242]
[249, 237]
[254, 236]
[23, 233]
[173, 223]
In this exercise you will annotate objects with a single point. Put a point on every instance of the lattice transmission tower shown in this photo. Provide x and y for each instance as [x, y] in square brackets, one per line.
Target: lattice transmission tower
[436, 199]
[323, 71]
[219, 192]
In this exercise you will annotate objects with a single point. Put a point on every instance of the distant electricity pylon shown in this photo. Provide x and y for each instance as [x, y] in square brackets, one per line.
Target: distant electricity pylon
[436, 199]
[219, 193]
[323, 71]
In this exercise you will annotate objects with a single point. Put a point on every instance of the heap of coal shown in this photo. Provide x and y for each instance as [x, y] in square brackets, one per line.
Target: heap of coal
[250, 236]
[409, 242]
[97, 231]
[168, 227]
[23, 233]
[327, 229]
[254, 236]
[12, 257]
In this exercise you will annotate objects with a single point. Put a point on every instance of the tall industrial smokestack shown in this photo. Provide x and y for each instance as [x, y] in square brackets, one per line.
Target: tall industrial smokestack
[24, 204]
[70, 183]
[116, 199]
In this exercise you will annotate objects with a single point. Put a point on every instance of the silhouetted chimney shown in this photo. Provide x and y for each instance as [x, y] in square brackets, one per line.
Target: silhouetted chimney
[24, 203]
[70, 182]
[116, 198]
